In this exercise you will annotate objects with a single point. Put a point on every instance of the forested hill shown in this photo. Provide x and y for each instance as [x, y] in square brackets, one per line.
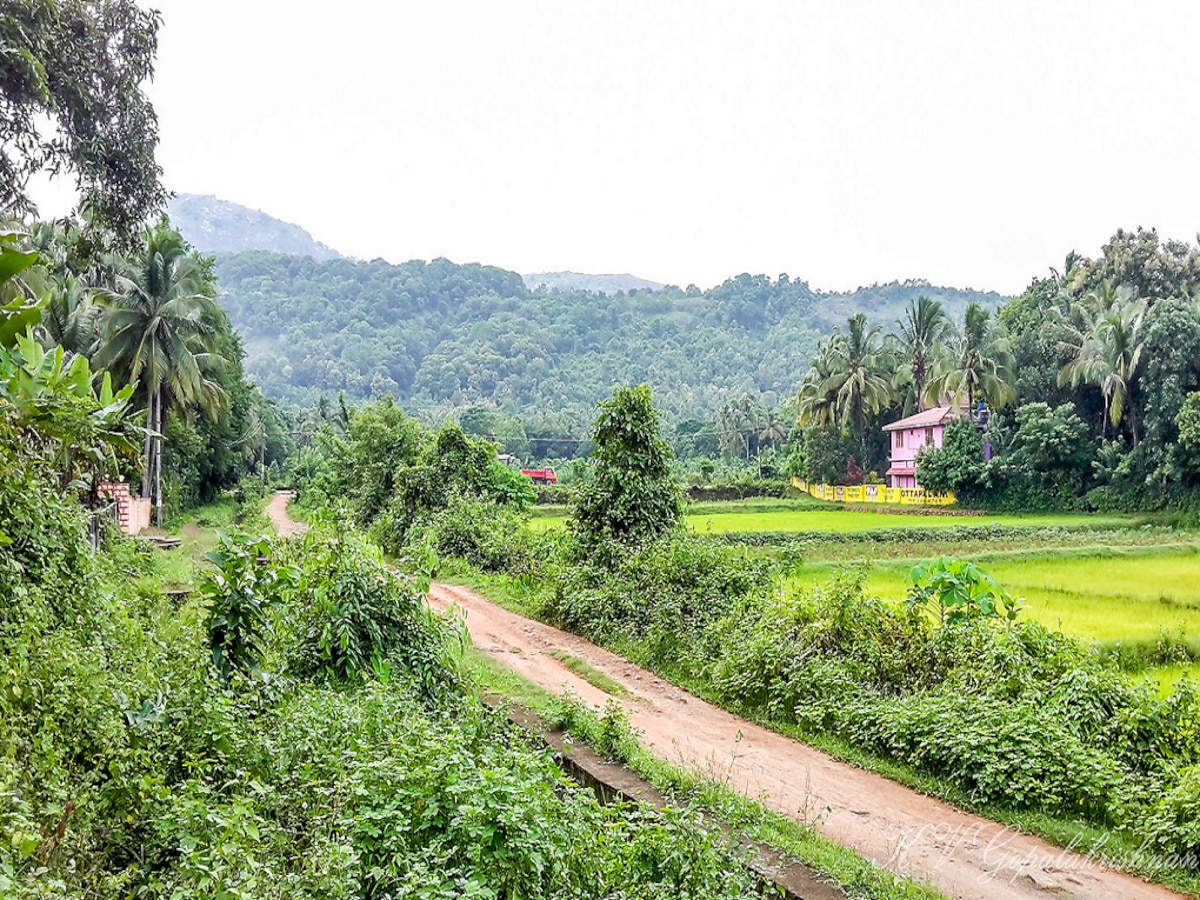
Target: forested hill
[441, 335]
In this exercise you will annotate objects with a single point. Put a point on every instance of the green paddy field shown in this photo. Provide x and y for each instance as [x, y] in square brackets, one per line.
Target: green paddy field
[761, 517]
[1133, 594]
[1134, 588]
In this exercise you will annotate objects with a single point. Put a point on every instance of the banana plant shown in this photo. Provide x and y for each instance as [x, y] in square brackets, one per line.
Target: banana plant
[60, 416]
[17, 313]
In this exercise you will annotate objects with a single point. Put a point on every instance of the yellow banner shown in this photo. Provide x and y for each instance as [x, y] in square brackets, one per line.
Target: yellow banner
[874, 493]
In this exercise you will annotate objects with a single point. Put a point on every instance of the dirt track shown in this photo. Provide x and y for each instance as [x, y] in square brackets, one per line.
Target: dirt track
[962, 855]
[277, 513]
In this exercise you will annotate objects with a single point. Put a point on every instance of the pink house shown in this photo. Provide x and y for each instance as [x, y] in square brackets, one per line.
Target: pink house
[912, 435]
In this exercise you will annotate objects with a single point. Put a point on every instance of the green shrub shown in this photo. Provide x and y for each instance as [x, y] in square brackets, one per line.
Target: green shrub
[353, 609]
[489, 536]
[662, 593]
[1174, 821]
[237, 597]
[1020, 754]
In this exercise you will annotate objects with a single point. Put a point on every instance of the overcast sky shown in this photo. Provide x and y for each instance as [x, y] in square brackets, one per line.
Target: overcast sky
[972, 144]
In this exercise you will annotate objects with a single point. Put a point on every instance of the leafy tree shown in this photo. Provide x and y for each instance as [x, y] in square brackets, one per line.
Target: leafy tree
[1171, 349]
[504, 431]
[1043, 459]
[630, 494]
[161, 329]
[1187, 454]
[381, 440]
[1188, 422]
[1141, 262]
[71, 99]
[453, 464]
[957, 465]
[1034, 339]
[1050, 441]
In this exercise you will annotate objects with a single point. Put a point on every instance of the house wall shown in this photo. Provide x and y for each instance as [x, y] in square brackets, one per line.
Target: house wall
[914, 441]
[906, 444]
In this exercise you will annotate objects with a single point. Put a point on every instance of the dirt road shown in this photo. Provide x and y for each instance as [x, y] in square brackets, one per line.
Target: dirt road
[899, 829]
[277, 512]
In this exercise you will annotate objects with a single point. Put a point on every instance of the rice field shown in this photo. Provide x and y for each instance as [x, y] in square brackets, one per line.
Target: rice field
[1135, 598]
[1110, 596]
[837, 519]
[1107, 580]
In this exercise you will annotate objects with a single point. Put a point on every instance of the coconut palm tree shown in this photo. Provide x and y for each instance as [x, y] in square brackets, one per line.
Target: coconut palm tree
[857, 384]
[772, 430]
[1110, 358]
[70, 317]
[1075, 319]
[160, 328]
[920, 343]
[737, 423]
[815, 403]
[979, 363]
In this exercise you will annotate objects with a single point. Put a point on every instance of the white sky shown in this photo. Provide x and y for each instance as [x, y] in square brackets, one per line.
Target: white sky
[969, 143]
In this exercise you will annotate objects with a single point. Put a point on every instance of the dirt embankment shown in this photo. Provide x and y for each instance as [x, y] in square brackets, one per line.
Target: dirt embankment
[961, 854]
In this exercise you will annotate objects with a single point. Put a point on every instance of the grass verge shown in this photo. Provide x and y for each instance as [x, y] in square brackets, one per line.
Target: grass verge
[592, 676]
[1109, 847]
[858, 877]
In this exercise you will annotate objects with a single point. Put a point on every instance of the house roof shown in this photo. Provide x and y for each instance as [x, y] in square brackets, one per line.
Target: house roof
[937, 415]
[901, 470]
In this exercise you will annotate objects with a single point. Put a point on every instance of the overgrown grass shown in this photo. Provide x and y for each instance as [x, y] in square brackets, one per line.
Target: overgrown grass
[591, 675]
[858, 877]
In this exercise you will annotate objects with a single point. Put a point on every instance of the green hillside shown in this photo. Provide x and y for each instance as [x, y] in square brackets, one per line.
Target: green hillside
[441, 335]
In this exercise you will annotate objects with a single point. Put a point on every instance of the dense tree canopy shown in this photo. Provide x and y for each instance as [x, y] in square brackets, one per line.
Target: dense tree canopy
[1100, 360]
[71, 99]
[442, 337]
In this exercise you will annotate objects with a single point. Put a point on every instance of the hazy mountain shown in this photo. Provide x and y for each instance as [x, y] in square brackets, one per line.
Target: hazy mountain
[213, 225]
[597, 284]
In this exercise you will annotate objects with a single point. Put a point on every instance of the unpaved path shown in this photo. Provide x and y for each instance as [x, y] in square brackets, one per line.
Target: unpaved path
[277, 512]
[962, 855]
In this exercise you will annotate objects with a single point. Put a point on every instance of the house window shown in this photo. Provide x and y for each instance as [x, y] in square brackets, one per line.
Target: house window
[928, 437]
[899, 440]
